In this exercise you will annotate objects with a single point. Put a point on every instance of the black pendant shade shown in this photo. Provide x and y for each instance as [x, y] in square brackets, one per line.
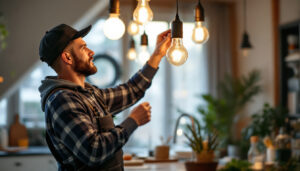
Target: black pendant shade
[114, 7]
[177, 28]
[199, 12]
[245, 41]
[132, 43]
[144, 39]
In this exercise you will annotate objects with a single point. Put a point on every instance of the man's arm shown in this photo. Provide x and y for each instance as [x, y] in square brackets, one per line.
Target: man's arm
[125, 95]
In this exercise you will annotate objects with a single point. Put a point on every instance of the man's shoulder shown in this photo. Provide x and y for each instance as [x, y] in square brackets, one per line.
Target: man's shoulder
[63, 94]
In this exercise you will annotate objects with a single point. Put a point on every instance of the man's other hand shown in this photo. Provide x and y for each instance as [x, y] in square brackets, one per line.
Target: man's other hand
[141, 114]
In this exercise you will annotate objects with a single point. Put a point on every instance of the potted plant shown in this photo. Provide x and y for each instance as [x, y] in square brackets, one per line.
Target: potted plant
[265, 123]
[203, 143]
[221, 112]
[237, 165]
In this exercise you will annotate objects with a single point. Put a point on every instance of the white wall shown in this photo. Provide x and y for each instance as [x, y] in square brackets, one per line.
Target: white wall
[27, 22]
[289, 11]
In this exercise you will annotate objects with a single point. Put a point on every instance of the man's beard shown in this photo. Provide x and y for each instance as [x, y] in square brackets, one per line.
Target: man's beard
[84, 67]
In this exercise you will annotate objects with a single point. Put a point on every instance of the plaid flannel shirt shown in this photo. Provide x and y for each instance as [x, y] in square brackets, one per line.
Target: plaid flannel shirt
[73, 127]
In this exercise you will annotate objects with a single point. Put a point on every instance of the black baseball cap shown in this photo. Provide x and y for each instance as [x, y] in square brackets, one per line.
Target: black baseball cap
[56, 40]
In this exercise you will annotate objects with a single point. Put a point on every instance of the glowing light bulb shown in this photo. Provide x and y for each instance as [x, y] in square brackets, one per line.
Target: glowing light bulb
[245, 51]
[114, 27]
[144, 55]
[131, 54]
[177, 53]
[143, 13]
[200, 33]
[133, 28]
[245, 44]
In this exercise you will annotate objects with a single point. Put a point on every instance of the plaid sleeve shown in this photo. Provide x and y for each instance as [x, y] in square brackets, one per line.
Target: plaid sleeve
[127, 94]
[73, 126]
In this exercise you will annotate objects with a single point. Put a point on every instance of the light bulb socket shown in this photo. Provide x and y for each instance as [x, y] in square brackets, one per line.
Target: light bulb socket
[177, 28]
[114, 6]
[144, 39]
[245, 41]
[199, 12]
[132, 44]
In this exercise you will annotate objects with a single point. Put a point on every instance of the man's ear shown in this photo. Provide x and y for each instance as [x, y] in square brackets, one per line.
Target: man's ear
[66, 57]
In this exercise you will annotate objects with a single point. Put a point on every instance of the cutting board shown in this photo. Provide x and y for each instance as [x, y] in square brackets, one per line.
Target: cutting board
[17, 132]
[153, 160]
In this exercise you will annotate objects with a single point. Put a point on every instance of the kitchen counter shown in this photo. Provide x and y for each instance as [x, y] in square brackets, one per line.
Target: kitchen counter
[172, 166]
[30, 151]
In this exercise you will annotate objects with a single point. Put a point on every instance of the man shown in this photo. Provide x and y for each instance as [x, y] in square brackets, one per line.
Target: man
[79, 128]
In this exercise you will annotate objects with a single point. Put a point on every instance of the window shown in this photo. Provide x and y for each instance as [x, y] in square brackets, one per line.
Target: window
[31, 113]
[3, 112]
[173, 88]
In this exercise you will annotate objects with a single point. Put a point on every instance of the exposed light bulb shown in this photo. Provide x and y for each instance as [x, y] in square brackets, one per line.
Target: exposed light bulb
[131, 54]
[114, 27]
[133, 28]
[245, 52]
[200, 33]
[245, 44]
[143, 13]
[177, 53]
[144, 55]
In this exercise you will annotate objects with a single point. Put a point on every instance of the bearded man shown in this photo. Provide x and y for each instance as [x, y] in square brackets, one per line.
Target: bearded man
[80, 131]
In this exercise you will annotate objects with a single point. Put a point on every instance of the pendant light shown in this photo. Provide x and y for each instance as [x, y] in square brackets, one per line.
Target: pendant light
[144, 54]
[131, 54]
[114, 27]
[177, 53]
[200, 32]
[133, 27]
[143, 13]
[245, 44]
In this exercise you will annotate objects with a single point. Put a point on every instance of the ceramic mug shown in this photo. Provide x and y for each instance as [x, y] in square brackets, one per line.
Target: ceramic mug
[162, 152]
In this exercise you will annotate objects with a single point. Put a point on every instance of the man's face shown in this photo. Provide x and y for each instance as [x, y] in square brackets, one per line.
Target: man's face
[83, 58]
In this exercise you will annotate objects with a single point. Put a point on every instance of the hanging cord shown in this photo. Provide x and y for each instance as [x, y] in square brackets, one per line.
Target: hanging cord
[245, 13]
[177, 8]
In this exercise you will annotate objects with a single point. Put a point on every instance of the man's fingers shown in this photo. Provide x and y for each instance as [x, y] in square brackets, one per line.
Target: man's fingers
[165, 33]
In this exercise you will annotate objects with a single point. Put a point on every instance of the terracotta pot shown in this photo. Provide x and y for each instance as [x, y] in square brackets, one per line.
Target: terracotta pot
[205, 156]
[195, 166]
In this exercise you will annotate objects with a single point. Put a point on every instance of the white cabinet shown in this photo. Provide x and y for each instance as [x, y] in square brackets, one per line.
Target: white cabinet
[28, 163]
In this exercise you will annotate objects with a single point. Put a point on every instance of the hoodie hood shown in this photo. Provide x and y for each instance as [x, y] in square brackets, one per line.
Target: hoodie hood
[52, 82]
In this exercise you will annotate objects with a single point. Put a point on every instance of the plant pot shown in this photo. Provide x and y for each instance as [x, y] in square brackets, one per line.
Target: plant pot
[195, 166]
[205, 157]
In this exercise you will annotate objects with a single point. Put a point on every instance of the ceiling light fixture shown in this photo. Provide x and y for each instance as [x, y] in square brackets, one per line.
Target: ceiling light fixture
[131, 54]
[133, 26]
[245, 44]
[144, 54]
[177, 53]
[114, 27]
[200, 32]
